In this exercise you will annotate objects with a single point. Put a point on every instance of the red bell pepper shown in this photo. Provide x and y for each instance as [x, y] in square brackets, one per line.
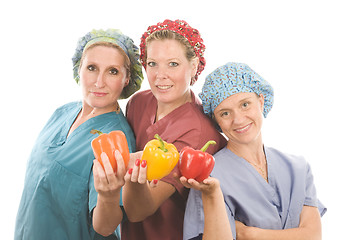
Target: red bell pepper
[196, 164]
[108, 143]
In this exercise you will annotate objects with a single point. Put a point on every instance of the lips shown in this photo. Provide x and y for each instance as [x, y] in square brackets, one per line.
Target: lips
[99, 94]
[243, 129]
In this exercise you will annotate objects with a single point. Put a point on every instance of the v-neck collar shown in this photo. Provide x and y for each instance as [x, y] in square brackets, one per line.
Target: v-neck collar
[269, 186]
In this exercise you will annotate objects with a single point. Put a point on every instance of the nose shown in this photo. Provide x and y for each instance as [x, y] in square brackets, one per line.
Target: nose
[100, 80]
[161, 73]
[238, 117]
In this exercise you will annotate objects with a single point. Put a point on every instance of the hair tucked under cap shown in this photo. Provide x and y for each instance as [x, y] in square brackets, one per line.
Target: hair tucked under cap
[180, 27]
[230, 79]
[114, 36]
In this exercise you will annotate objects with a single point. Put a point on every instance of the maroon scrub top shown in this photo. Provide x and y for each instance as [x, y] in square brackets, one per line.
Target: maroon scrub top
[184, 126]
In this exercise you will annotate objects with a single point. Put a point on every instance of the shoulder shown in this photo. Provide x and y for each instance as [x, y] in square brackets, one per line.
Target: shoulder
[221, 154]
[291, 160]
[114, 121]
[199, 128]
[64, 111]
[225, 158]
[140, 97]
[139, 101]
[69, 106]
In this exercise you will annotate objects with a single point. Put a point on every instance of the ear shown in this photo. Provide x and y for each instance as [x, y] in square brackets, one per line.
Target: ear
[261, 99]
[195, 64]
[126, 82]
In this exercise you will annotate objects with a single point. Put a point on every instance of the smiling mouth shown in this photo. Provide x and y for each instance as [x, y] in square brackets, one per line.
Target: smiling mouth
[164, 87]
[244, 129]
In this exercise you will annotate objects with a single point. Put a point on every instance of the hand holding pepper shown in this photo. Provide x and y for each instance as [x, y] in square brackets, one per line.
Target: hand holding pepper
[108, 143]
[157, 161]
[196, 164]
[209, 186]
[107, 182]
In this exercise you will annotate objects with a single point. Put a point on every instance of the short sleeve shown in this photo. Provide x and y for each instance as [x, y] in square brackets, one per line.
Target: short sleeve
[93, 195]
[311, 195]
[193, 224]
[231, 220]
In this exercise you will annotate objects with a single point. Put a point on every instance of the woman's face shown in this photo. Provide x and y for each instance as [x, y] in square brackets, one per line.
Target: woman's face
[240, 117]
[103, 77]
[168, 70]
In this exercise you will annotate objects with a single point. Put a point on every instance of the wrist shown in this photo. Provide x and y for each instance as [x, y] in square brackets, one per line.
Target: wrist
[104, 199]
[213, 195]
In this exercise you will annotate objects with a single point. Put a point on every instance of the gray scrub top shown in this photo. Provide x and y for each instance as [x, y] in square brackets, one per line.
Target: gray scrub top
[275, 204]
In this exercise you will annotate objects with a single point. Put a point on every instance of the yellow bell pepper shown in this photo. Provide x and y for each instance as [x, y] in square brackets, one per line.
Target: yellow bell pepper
[161, 158]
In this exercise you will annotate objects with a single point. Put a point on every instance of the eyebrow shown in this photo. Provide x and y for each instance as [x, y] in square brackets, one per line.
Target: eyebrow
[242, 100]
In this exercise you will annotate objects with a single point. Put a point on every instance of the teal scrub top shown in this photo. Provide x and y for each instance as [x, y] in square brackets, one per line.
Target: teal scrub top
[59, 194]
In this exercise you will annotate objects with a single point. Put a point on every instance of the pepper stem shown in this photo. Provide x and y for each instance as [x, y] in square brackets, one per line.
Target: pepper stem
[94, 131]
[162, 145]
[204, 148]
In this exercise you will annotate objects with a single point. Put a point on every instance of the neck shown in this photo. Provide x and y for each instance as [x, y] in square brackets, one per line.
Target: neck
[166, 108]
[252, 152]
[88, 112]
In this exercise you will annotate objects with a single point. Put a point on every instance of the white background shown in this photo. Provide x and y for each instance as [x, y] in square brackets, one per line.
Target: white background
[298, 46]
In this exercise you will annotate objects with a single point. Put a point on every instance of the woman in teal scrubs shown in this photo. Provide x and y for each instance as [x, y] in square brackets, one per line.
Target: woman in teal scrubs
[61, 199]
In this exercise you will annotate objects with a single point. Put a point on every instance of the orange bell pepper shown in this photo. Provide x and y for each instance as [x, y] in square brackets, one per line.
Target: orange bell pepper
[108, 143]
[161, 158]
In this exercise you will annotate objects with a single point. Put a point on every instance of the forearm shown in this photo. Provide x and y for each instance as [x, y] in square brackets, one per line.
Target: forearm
[107, 215]
[217, 224]
[290, 234]
[308, 229]
[141, 200]
[138, 201]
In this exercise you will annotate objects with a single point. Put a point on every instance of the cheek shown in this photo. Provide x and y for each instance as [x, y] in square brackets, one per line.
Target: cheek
[86, 78]
[117, 85]
[222, 124]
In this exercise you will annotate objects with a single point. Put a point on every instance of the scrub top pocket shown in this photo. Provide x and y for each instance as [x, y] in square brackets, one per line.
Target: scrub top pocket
[65, 193]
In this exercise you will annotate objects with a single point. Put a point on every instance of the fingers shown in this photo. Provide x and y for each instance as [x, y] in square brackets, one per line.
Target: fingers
[154, 183]
[194, 183]
[135, 172]
[105, 180]
[138, 173]
[107, 165]
[127, 176]
[99, 176]
[97, 170]
[189, 183]
[184, 182]
[143, 172]
[133, 157]
[204, 186]
[120, 164]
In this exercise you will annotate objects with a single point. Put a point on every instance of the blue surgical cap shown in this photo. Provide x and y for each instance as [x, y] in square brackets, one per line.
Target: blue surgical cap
[230, 79]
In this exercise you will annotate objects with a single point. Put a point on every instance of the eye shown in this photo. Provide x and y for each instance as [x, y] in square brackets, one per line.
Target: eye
[245, 104]
[224, 114]
[91, 68]
[173, 64]
[113, 71]
[151, 64]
